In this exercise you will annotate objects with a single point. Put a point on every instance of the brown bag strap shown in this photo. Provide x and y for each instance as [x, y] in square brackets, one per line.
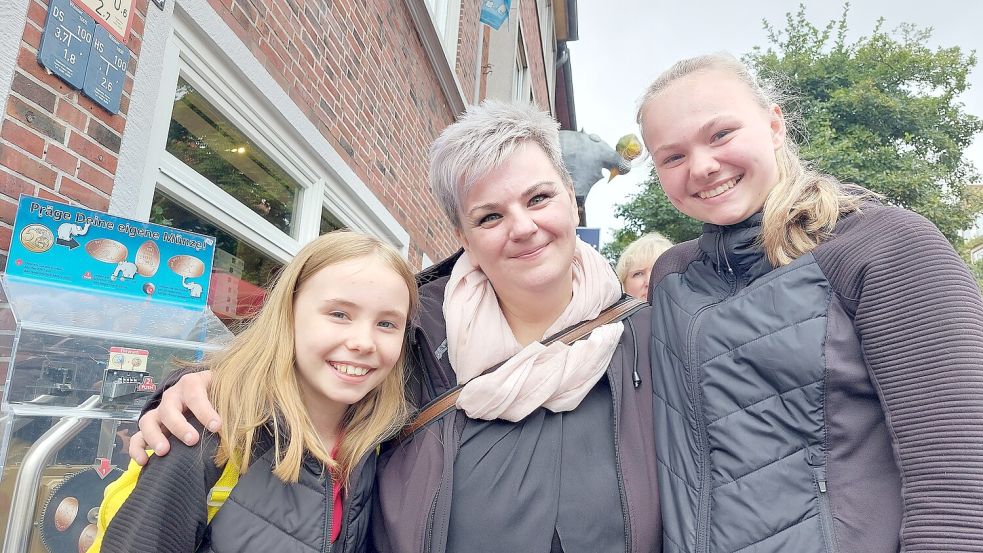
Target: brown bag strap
[446, 401]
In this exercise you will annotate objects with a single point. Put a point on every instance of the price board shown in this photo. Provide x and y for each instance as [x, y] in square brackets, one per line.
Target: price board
[66, 41]
[107, 70]
[115, 15]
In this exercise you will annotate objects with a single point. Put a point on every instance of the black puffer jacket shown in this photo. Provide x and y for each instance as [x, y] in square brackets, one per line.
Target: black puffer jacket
[833, 404]
[166, 512]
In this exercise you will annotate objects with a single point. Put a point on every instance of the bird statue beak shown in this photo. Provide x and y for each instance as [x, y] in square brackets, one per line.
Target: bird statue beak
[613, 172]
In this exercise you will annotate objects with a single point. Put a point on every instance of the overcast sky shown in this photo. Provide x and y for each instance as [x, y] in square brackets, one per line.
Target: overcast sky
[625, 44]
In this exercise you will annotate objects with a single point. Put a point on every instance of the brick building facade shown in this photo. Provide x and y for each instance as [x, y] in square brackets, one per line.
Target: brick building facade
[268, 123]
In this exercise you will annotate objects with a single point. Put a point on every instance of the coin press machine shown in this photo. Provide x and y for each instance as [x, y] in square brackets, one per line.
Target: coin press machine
[82, 364]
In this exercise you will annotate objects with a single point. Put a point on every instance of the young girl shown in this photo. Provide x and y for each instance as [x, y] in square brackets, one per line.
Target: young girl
[635, 264]
[818, 356]
[304, 394]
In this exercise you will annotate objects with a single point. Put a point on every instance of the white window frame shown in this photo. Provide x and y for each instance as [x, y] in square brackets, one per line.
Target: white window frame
[521, 78]
[446, 17]
[247, 95]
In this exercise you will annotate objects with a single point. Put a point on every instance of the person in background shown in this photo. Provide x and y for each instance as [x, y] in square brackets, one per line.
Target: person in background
[635, 264]
[306, 393]
[818, 356]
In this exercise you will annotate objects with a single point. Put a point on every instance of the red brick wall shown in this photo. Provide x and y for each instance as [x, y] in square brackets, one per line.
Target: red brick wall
[534, 52]
[55, 142]
[357, 69]
[467, 48]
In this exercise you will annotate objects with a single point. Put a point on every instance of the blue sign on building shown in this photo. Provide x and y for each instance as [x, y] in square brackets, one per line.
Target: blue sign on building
[66, 41]
[590, 235]
[79, 248]
[494, 12]
[107, 70]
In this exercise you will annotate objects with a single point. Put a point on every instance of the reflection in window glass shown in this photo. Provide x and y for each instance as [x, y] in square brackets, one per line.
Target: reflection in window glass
[202, 138]
[239, 271]
[329, 222]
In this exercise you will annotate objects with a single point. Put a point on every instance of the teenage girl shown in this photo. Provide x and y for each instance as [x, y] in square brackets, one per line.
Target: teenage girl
[818, 356]
[305, 394]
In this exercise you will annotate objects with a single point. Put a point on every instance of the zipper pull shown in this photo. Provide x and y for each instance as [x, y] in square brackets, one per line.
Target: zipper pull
[822, 486]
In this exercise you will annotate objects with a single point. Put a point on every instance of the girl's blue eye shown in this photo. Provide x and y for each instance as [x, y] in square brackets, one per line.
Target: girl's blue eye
[338, 315]
[388, 324]
[671, 159]
[539, 198]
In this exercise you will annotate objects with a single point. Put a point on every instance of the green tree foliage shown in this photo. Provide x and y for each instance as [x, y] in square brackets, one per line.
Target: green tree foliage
[966, 251]
[650, 210]
[882, 112]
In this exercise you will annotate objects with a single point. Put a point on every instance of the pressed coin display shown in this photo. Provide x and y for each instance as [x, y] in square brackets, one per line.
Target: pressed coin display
[79, 496]
[66, 512]
[186, 266]
[148, 258]
[106, 249]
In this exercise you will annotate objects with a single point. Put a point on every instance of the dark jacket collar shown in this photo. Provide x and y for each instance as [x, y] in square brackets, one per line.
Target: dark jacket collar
[438, 270]
[736, 248]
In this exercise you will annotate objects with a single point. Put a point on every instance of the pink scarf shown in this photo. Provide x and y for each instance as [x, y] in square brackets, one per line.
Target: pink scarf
[556, 377]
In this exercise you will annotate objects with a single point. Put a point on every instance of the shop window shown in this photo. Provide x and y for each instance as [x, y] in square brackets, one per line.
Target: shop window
[240, 272]
[329, 222]
[203, 139]
[236, 160]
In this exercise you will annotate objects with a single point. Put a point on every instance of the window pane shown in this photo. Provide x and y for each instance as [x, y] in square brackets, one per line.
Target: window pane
[239, 271]
[202, 138]
[329, 222]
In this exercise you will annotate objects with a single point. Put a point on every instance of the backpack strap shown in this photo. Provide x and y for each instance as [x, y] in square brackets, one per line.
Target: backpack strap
[444, 403]
[223, 488]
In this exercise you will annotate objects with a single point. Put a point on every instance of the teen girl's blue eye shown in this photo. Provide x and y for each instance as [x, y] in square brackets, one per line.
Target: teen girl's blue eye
[338, 315]
[672, 159]
[389, 324]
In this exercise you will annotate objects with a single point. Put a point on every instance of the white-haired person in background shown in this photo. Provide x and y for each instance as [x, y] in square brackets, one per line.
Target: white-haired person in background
[635, 264]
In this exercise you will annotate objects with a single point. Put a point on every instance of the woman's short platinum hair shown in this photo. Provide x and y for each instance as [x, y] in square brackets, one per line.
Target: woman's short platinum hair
[480, 141]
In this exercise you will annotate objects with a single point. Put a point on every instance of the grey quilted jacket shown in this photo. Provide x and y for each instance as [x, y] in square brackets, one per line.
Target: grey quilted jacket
[831, 405]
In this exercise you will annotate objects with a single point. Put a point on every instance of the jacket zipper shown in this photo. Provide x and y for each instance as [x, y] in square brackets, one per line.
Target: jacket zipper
[329, 500]
[703, 514]
[825, 513]
[617, 465]
[703, 520]
[430, 519]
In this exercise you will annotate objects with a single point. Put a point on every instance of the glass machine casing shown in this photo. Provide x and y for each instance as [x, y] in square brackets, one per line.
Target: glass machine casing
[82, 365]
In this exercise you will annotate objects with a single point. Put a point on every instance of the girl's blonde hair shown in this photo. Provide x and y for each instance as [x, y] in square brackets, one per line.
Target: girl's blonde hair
[254, 382]
[804, 206]
[646, 249]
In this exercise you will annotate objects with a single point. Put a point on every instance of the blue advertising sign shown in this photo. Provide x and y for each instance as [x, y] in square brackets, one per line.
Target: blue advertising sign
[590, 235]
[66, 41]
[80, 248]
[494, 12]
[107, 69]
